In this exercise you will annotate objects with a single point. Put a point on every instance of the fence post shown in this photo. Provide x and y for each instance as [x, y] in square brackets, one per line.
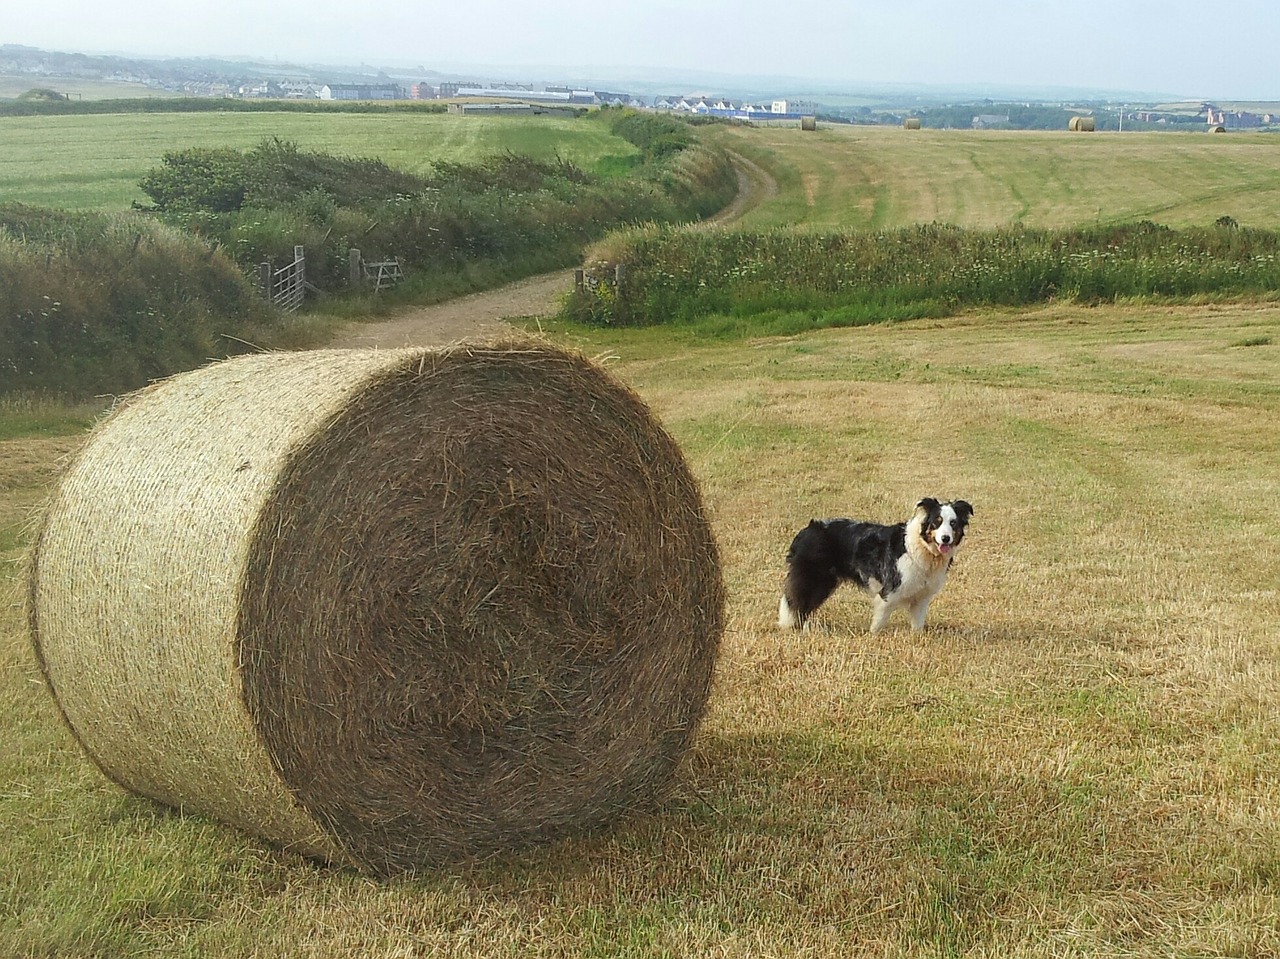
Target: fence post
[579, 277]
[353, 256]
[619, 272]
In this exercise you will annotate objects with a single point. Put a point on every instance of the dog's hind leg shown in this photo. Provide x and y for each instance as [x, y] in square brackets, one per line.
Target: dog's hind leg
[802, 595]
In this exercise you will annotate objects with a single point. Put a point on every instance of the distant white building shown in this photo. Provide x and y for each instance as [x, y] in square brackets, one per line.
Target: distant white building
[299, 90]
[361, 91]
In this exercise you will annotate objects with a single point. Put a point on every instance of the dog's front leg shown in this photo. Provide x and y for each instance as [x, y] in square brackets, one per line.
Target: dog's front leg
[880, 611]
[918, 611]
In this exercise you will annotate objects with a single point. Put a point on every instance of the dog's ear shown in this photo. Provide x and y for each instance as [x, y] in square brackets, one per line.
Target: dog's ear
[963, 509]
[927, 505]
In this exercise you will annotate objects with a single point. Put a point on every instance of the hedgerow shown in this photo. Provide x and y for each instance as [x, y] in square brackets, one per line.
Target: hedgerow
[673, 275]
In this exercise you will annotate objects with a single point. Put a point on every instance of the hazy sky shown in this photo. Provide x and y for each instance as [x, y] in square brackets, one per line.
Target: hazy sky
[1228, 49]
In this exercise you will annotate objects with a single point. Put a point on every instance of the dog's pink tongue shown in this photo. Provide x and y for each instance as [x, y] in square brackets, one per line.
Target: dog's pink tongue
[944, 548]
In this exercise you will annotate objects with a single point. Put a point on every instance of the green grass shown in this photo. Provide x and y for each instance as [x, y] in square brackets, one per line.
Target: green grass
[95, 162]
[23, 417]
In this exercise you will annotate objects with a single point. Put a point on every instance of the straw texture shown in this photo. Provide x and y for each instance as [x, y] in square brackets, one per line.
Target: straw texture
[386, 608]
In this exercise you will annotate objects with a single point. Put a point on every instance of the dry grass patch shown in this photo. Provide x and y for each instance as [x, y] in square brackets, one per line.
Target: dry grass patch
[1079, 757]
[877, 177]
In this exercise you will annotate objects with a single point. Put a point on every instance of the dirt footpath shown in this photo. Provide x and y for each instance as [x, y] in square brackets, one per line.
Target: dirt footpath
[477, 315]
[483, 314]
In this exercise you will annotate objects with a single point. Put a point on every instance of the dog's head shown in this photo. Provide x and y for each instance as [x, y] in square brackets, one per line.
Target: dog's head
[941, 525]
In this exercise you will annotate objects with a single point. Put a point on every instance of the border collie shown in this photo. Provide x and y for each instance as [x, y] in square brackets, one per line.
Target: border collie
[900, 565]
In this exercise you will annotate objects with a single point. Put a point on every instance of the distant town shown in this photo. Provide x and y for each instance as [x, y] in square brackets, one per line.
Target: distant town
[255, 81]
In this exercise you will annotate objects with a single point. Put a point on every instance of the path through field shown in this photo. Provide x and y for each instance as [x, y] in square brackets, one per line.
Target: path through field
[477, 315]
[485, 314]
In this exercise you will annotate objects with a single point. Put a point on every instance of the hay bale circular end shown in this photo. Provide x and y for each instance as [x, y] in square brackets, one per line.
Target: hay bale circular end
[809, 124]
[389, 609]
[911, 123]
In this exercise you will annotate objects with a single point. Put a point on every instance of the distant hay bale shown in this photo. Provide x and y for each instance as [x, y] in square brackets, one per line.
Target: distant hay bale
[1218, 129]
[911, 123]
[383, 608]
[809, 123]
[1082, 125]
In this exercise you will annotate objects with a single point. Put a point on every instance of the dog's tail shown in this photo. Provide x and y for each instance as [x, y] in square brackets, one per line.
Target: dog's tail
[810, 576]
[787, 617]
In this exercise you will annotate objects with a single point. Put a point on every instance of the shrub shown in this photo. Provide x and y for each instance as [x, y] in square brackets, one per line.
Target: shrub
[199, 179]
[657, 135]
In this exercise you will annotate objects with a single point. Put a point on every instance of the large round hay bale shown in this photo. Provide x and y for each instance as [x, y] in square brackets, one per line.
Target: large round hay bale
[911, 123]
[1082, 125]
[385, 608]
[808, 123]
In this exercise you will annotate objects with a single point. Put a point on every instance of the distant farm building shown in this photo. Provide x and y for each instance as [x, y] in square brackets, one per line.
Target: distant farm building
[515, 91]
[991, 121]
[361, 91]
[496, 108]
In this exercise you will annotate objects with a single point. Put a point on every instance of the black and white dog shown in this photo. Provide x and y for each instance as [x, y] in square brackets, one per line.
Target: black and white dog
[904, 564]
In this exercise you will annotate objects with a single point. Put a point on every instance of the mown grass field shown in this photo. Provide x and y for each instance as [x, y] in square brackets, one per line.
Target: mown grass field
[1079, 757]
[880, 177]
[95, 162]
[13, 86]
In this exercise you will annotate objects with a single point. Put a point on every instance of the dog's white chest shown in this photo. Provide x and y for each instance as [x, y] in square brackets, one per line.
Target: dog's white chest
[919, 579]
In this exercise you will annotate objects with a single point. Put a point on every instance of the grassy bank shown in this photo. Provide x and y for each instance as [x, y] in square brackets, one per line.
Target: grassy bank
[93, 303]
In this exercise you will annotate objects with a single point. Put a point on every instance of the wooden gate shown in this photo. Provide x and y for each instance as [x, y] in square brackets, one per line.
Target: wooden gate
[382, 275]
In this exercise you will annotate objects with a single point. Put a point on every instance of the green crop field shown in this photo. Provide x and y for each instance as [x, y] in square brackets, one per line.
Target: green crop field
[878, 177]
[1079, 757]
[95, 162]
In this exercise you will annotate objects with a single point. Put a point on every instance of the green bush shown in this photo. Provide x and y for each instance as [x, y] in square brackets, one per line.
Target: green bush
[199, 179]
[658, 136]
[274, 173]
